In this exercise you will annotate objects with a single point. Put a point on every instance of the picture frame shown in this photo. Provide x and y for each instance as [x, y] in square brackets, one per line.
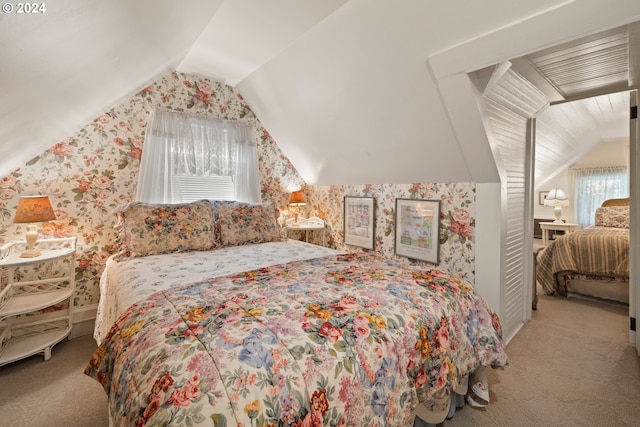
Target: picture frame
[542, 195]
[359, 221]
[417, 229]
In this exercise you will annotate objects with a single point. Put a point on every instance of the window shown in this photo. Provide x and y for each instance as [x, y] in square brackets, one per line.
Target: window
[592, 186]
[187, 158]
[217, 187]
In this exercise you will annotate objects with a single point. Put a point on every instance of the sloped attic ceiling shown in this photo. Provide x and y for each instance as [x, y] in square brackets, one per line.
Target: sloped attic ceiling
[587, 82]
[353, 91]
[566, 132]
[61, 68]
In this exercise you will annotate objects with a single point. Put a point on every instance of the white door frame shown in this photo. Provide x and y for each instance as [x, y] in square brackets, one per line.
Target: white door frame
[634, 223]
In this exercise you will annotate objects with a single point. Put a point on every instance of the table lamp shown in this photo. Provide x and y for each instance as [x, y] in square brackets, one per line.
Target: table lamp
[296, 200]
[30, 210]
[557, 198]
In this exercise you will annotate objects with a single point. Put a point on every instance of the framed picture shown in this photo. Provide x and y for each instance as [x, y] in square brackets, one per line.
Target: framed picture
[417, 229]
[358, 221]
[541, 196]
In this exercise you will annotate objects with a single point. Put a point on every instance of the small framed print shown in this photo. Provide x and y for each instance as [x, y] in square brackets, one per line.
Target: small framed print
[417, 229]
[359, 221]
[542, 195]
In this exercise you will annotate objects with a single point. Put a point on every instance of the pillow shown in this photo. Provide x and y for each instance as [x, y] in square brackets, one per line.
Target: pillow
[243, 223]
[612, 216]
[149, 229]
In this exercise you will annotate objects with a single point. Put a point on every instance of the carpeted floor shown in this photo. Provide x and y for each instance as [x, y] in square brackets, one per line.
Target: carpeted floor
[55, 393]
[570, 366]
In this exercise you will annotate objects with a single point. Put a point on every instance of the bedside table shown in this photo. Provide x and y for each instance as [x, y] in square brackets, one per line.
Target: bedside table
[307, 224]
[555, 226]
[30, 285]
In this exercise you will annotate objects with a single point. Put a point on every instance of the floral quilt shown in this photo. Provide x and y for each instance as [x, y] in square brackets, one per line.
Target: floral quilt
[127, 281]
[339, 340]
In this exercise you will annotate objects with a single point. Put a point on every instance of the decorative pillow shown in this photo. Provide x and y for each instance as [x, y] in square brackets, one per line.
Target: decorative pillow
[612, 216]
[148, 229]
[243, 223]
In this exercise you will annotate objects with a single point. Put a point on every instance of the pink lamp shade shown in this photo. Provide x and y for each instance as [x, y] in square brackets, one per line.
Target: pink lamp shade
[32, 209]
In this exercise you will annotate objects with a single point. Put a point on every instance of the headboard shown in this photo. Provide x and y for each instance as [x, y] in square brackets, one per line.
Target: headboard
[616, 202]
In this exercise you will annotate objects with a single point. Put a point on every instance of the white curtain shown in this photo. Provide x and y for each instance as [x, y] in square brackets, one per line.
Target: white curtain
[247, 180]
[178, 144]
[592, 186]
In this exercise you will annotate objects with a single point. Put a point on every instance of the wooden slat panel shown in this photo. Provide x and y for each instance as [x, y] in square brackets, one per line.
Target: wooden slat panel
[585, 64]
[509, 132]
[565, 132]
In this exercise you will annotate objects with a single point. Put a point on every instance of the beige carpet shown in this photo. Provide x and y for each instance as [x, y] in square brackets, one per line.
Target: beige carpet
[55, 393]
[570, 366]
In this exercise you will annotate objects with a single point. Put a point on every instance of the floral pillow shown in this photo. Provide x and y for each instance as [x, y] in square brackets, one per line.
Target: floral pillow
[149, 229]
[612, 216]
[243, 223]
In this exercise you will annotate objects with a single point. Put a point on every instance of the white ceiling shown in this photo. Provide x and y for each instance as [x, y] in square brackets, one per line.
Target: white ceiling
[352, 91]
[587, 81]
[566, 132]
[244, 34]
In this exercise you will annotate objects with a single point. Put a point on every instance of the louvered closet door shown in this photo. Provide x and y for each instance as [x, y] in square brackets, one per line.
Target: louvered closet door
[510, 138]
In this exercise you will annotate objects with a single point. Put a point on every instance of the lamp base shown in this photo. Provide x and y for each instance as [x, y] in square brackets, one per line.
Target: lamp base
[296, 213]
[31, 238]
[30, 253]
[557, 212]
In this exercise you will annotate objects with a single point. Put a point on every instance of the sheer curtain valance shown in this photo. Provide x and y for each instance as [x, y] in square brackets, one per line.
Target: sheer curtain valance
[187, 157]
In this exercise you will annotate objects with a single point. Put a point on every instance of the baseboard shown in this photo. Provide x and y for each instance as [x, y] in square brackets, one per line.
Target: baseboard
[84, 320]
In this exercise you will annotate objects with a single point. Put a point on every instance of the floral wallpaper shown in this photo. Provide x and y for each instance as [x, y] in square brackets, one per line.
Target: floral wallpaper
[457, 218]
[90, 173]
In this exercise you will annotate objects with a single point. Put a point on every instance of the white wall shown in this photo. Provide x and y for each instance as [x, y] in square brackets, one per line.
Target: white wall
[488, 244]
[609, 153]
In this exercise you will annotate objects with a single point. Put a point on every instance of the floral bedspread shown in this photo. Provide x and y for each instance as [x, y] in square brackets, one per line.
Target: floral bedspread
[127, 281]
[339, 340]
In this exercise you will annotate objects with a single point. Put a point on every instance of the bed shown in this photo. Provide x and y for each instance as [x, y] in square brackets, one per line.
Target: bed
[209, 317]
[592, 262]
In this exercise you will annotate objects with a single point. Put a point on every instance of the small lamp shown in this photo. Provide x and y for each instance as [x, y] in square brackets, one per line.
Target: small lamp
[558, 199]
[296, 200]
[32, 209]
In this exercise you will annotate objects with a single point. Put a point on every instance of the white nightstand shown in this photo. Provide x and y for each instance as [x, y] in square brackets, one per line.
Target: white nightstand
[29, 285]
[307, 224]
[555, 226]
